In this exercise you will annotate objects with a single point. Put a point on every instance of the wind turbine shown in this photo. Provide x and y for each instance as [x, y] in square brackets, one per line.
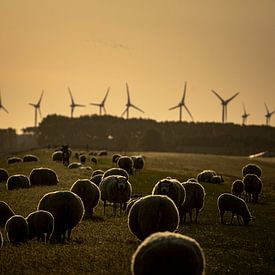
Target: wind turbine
[129, 104]
[182, 104]
[1, 105]
[102, 104]
[73, 104]
[224, 105]
[245, 115]
[37, 108]
[268, 115]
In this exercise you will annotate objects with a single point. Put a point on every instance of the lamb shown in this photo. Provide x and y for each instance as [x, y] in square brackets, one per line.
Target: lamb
[116, 171]
[253, 187]
[237, 188]
[168, 253]
[1, 240]
[5, 213]
[41, 225]
[89, 193]
[126, 163]
[115, 158]
[151, 214]
[206, 175]
[74, 165]
[30, 158]
[67, 209]
[115, 189]
[96, 179]
[43, 176]
[194, 199]
[12, 160]
[171, 188]
[234, 204]
[57, 156]
[17, 182]
[4, 175]
[17, 229]
[97, 172]
[252, 169]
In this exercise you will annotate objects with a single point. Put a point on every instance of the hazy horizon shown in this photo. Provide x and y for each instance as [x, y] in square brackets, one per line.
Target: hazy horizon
[153, 46]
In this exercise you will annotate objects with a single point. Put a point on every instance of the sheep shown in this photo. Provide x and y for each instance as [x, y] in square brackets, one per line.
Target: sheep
[116, 171]
[57, 156]
[17, 182]
[131, 202]
[253, 187]
[237, 188]
[115, 158]
[67, 209]
[97, 172]
[194, 199]
[82, 158]
[4, 175]
[1, 240]
[74, 165]
[66, 153]
[206, 175]
[96, 179]
[41, 225]
[5, 213]
[89, 193]
[17, 229]
[43, 176]
[151, 214]
[192, 180]
[115, 189]
[252, 169]
[216, 179]
[168, 253]
[171, 188]
[103, 153]
[138, 162]
[94, 160]
[30, 158]
[12, 160]
[234, 204]
[126, 163]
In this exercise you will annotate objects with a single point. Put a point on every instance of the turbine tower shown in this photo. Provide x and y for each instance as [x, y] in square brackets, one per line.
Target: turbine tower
[245, 115]
[102, 104]
[182, 104]
[129, 104]
[73, 104]
[224, 105]
[1, 105]
[37, 108]
[268, 115]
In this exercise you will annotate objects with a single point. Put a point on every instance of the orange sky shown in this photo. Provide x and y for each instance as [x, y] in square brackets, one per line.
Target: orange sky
[155, 46]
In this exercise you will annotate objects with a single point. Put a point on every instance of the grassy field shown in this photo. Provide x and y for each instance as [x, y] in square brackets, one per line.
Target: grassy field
[104, 245]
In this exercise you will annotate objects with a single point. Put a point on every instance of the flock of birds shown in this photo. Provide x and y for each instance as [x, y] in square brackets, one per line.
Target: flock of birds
[129, 104]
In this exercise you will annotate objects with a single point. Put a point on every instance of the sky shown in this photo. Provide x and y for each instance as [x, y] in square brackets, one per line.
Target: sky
[154, 46]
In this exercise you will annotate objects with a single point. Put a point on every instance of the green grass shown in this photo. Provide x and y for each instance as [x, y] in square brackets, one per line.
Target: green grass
[104, 245]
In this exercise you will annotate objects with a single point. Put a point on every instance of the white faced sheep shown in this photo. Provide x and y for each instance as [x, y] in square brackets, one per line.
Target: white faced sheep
[206, 176]
[4, 175]
[126, 163]
[1, 240]
[17, 229]
[12, 160]
[96, 179]
[115, 189]
[237, 188]
[235, 205]
[252, 169]
[97, 172]
[116, 171]
[138, 162]
[17, 182]
[168, 253]
[41, 225]
[194, 199]
[115, 158]
[151, 214]
[89, 193]
[253, 187]
[57, 156]
[74, 165]
[43, 176]
[67, 209]
[171, 188]
[30, 158]
[5, 213]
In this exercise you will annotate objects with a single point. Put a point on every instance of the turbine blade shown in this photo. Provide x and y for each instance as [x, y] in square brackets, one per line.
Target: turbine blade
[39, 112]
[104, 110]
[184, 94]
[175, 107]
[124, 111]
[33, 105]
[79, 105]
[188, 112]
[219, 97]
[39, 101]
[135, 107]
[266, 108]
[72, 100]
[104, 99]
[95, 104]
[4, 109]
[231, 98]
[72, 111]
[128, 94]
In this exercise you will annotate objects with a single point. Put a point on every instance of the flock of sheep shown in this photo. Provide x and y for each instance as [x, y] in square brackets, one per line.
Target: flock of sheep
[153, 219]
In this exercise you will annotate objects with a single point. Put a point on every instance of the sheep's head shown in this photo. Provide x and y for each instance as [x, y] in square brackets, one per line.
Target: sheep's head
[164, 186]
[121, 182]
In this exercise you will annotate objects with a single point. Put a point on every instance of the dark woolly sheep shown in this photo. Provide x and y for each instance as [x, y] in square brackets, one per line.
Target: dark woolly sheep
[67, 209]
[57, 156]
[115, 189]
[115, 158]
[116, 171]
[89, 193]
[138, 162]
[43, 176]
[217, 179]
[168, 253]
[30, 158]
[206, 176]
[1, 240]
[17, 229]
[41, 225]
[94, 160]
[235, 205]
[12, 160]
[126, 163]
[17, 182]
[5, 213]
[4, 175]
[131, 202]
[74, 165]
[194, 199]
[82, 158]
[103, 153]
[237, 188]
[152, 214]
[97, 172]
[192, 180]
[252, 169]
[96, 179]
[171, 188]
[253, 187]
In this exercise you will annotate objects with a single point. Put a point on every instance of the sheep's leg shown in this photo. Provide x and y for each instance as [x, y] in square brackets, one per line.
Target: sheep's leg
[120, 209]
[104, 205]
[221, 216]
[114, 209]
[239, 221]
[47, 237]
[190, 213]
[197, 214]
[69, 233]
[232, 217]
